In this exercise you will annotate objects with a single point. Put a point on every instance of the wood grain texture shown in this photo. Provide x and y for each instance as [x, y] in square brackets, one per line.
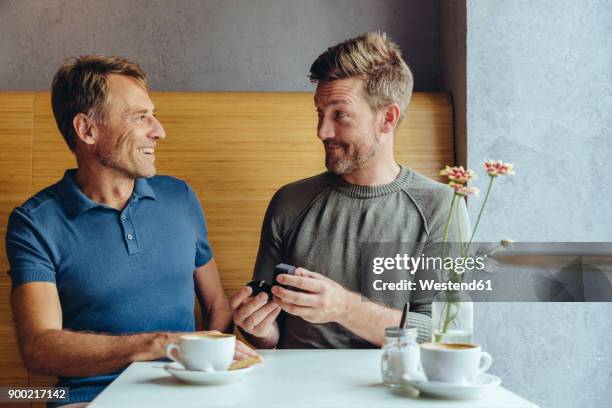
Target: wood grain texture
[50, 154]
[16, 127]
[235, 149]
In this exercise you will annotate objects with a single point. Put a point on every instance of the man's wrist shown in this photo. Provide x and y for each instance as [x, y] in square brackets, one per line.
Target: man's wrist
[349, 302]
[151, 347]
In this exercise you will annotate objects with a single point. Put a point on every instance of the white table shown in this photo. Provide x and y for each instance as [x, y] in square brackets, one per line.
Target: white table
[287, 378]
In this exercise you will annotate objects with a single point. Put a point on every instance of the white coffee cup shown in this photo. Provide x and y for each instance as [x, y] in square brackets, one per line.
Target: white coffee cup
[203, 352]
[457, 363]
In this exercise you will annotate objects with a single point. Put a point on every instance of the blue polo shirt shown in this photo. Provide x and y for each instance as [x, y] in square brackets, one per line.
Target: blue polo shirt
[116, 272]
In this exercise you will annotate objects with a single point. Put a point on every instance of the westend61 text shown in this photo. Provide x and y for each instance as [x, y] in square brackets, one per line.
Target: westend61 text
[430, 284]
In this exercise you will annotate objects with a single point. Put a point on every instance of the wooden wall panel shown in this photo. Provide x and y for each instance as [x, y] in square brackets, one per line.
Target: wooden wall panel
[50, 154]
[16, 124]
[235, 149]
[256, 142]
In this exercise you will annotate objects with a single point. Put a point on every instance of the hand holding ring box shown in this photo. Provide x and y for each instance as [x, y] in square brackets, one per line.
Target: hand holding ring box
[259, 286]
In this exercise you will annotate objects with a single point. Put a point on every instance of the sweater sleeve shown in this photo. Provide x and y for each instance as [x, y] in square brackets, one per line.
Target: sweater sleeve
[270, 251]
[422, 321]
[284, 209]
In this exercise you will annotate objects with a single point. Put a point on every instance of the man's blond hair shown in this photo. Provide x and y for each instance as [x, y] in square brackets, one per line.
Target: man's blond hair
[79, 86]
[374, 58]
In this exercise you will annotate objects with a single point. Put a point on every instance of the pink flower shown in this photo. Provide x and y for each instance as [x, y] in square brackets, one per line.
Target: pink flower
[458, 174]
[498, 168]
[464, 190]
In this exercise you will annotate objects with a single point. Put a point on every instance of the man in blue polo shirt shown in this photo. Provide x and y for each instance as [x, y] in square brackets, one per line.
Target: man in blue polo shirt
[104, 263]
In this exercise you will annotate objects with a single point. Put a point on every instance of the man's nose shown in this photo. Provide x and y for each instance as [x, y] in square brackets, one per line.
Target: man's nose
[157, 130]
[325, 130]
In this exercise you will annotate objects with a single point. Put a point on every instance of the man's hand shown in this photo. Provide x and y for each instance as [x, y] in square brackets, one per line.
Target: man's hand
[241, 351]
[254, 314]
[156, 347]
[244, 352]
[321, 301]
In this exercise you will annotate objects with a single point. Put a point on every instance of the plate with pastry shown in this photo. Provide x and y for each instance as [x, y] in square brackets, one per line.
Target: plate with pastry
[234, 373]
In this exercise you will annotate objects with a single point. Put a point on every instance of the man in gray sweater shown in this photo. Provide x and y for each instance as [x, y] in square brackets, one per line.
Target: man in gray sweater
[321, 223]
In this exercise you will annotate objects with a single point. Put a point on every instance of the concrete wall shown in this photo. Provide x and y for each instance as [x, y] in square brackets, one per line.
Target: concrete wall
[229, 45]
[539, 94]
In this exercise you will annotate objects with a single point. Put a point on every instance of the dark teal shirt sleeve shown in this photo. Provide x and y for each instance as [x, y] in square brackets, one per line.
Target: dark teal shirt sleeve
[203, 250]
[27, 251]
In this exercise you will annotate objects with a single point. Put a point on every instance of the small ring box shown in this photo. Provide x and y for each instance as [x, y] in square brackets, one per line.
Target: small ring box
[287, 269]
[283, 268]
[259, 286]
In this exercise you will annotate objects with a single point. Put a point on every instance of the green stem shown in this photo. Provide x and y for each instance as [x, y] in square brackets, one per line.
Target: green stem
[459, 232]
[447, 317]
[484, 203]
[448, 220]
[460, 240]
[443, 322]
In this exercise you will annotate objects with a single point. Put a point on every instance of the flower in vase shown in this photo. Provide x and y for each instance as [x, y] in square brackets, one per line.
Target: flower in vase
[498, 168]
[464, 191]
[458, 174]
[451, 314]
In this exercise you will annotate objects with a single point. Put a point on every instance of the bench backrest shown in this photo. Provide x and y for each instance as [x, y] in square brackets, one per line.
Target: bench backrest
[235, 149]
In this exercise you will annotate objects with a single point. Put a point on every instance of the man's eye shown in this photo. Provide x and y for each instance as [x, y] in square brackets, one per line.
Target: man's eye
[340, 114]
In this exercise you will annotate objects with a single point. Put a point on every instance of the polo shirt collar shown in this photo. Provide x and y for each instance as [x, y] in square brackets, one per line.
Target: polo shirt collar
[76, 203]
[142, 189]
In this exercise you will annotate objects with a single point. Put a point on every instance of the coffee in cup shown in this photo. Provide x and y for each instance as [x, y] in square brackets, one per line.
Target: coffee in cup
[457, 363]
[203, 351]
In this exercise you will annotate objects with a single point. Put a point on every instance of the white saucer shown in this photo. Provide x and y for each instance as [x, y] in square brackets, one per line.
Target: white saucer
[446, 390]
[206, 377]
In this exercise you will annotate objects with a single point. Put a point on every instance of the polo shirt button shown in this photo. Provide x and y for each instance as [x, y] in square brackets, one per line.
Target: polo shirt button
[129, 237]
[123, 218]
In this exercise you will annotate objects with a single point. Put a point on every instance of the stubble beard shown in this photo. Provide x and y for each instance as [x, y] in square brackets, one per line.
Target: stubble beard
[120, 166]
[352, 161]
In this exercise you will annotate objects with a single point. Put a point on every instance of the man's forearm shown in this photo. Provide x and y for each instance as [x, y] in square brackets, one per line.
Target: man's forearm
[67, 353]
[369, 320]
[219, 317]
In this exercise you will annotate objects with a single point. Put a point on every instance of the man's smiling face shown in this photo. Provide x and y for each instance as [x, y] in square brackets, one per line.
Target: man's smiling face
[347, 124]
[129, 130]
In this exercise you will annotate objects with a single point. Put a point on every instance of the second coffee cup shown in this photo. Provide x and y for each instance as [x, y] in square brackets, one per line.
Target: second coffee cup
[204, 351]
[457, 363]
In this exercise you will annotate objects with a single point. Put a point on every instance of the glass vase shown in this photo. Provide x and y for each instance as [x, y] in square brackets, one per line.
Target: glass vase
[452, 317]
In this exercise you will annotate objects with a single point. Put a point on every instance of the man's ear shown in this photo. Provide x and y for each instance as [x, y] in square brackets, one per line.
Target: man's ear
[391, 115]
[85, 128]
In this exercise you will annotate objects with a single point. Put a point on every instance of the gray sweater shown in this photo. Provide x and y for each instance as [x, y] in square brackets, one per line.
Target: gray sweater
[324, 224]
